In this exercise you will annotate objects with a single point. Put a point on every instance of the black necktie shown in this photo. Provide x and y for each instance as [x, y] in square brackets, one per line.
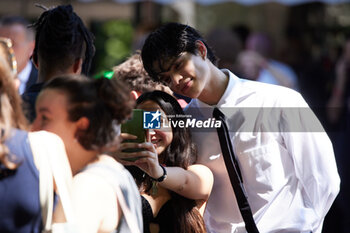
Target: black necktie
[234, 172]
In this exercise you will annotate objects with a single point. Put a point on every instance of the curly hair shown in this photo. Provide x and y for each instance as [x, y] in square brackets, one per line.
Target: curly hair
[135, 76]
[106, 103]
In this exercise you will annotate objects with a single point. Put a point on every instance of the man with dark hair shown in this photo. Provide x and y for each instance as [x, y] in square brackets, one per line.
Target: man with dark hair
[63, 45]
[22, 37]
[286, 159]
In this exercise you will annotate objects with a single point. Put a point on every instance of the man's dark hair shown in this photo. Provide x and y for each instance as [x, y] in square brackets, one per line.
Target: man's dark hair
[167, 43]
[8, 21]
[62, 38]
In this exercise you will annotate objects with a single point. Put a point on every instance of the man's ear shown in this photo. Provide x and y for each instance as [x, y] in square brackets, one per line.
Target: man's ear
[201, 48]
[77, 66]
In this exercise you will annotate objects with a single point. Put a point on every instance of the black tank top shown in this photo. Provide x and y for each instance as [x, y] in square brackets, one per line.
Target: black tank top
[165, 217]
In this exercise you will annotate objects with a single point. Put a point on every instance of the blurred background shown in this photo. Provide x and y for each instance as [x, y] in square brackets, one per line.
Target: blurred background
[309, 37]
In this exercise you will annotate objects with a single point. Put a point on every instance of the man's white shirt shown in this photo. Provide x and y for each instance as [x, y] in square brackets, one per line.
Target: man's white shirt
[286, 159]
[23, 77]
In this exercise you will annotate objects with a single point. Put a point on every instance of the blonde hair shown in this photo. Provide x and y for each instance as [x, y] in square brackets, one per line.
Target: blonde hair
[7, 53]
[11, 115]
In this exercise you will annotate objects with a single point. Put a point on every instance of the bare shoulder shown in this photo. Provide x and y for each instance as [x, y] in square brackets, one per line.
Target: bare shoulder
[200, 169]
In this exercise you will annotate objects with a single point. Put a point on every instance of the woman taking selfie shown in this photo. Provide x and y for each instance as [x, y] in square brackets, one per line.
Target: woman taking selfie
[173, 189]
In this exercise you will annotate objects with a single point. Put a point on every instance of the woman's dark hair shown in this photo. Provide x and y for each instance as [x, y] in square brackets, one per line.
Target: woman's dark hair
[180, 153]
[11, 115]
[62, 38]
[105, 103]
[167, 43]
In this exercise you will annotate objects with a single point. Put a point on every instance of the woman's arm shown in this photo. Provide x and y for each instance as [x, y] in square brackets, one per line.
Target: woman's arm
[195, 183]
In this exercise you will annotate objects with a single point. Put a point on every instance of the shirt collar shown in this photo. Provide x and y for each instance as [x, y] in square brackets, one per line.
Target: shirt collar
[230, 93]
[231, 89]
[23, 76]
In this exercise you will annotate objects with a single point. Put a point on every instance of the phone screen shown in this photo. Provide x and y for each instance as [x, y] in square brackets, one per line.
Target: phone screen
[134, 126]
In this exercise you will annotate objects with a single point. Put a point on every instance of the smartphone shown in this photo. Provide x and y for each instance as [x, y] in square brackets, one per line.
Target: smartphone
[134, 126]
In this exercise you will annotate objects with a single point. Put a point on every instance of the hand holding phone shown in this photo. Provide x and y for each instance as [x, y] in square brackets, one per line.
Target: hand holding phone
[134, 126]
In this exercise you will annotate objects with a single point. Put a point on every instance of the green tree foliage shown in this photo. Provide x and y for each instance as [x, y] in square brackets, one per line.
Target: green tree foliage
[113, 43]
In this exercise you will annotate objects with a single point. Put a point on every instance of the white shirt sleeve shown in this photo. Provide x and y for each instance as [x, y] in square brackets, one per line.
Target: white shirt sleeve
[314, 161]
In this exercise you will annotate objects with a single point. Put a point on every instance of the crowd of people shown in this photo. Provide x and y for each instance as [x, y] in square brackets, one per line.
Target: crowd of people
[65, 166]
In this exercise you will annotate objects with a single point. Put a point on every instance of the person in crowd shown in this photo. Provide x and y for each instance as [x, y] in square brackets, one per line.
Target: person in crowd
[256, 63]
[8, 56]
[242, 31]
[63, 45]
[173, 189]
[285, 158]
[220, 39]
[338, 115]
[132, 73]
[20, 208]
[86, 114]
[16, 28]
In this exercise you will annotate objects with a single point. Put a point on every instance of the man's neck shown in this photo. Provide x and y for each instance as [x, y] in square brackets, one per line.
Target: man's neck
[215, 88]
[44, 77]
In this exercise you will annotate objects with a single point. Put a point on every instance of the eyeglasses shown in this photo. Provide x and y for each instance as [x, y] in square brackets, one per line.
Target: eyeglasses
[6, 46]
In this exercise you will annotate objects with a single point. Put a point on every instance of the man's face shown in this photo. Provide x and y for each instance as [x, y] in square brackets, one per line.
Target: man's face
[186, 75]
[22, 45]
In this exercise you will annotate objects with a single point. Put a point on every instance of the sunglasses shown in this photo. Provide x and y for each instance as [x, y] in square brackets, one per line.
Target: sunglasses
[6, 47]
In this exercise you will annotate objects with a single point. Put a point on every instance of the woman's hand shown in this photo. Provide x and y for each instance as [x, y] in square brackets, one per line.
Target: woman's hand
[146, 159]
[115, 152]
